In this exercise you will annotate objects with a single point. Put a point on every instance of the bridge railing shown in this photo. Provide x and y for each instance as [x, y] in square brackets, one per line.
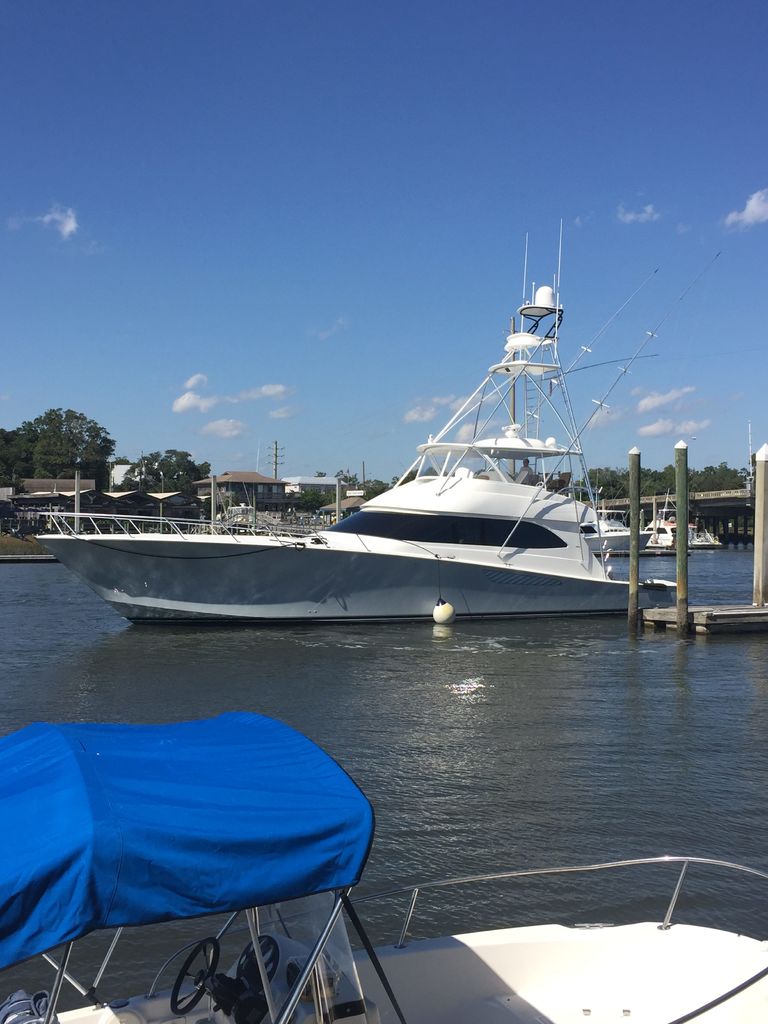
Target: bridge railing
[740, 493]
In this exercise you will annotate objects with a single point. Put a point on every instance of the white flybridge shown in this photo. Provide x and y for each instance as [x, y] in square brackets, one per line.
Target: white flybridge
[485, 523]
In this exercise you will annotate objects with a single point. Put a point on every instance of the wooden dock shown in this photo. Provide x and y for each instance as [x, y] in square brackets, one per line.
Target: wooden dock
[733, 618]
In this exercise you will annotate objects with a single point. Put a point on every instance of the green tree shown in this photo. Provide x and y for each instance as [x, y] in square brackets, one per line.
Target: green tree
[171, 470]
[312, 499]
[717, 478]
[62, 441]
[374, 487]
[347, 479]
[15, 458]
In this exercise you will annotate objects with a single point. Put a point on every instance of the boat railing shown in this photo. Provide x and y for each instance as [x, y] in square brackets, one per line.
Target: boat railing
[90, 523]
[413, 892]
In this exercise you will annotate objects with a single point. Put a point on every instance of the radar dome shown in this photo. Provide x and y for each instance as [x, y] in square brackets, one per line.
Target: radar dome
[544, 296]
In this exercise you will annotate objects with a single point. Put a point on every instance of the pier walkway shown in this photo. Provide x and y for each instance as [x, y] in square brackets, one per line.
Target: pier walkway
[734, 618]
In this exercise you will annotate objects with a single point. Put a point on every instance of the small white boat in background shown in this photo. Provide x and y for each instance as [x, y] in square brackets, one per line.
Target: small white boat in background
[272, 837]
[700, 539]
[612, 535]
[662, 536]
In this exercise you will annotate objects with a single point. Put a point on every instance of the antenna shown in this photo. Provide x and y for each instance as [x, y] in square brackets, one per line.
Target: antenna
[609, 321]
[557, 283]
[525, 266]
[623, 370]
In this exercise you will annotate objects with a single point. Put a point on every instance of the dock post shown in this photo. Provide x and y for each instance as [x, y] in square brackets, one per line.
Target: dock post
[634, 539]
[213, 503]
[760, 586]
[681, 535]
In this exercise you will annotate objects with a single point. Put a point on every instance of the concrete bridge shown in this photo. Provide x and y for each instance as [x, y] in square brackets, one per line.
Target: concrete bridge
[729, 515]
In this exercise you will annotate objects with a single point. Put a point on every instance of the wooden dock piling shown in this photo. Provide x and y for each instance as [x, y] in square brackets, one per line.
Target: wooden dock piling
[714, 618]
[681, 536]
[634, 540]
[760, 579]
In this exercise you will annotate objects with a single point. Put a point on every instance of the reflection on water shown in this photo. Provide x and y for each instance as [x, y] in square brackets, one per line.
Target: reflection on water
[482, 746]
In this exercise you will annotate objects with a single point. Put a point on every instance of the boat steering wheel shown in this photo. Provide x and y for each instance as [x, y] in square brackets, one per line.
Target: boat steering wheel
[206, 950]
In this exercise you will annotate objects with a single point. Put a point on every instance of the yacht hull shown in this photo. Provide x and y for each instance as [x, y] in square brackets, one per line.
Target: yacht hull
[150, 579]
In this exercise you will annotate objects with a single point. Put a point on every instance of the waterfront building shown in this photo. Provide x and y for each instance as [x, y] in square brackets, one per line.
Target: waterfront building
[242, 487]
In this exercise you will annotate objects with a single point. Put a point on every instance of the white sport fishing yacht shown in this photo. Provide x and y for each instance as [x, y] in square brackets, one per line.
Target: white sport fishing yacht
[484, 523]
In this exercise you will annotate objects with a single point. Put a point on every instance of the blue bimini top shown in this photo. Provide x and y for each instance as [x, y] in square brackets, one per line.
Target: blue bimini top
[108, 825]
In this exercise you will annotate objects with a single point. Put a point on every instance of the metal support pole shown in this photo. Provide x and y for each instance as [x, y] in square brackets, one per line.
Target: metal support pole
[681, 535]
[77, 501]
[634, 539]
[213, 503]
[760, 586]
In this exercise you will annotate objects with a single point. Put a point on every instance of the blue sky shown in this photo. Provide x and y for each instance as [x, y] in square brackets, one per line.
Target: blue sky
[230, 224]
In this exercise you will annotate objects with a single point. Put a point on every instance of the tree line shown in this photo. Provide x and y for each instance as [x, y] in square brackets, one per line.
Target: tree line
[614, 483]
[61, 441]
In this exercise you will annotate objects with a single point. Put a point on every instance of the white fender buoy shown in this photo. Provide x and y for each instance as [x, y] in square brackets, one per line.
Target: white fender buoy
[444, 613]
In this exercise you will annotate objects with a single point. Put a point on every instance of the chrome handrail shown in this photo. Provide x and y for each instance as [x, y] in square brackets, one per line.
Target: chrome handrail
[415, 891]
[79, 524]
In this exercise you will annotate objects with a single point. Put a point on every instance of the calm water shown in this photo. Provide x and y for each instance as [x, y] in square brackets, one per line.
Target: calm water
[482, 746]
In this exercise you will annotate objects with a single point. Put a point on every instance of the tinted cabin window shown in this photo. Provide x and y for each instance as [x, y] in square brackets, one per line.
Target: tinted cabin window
[450, 530]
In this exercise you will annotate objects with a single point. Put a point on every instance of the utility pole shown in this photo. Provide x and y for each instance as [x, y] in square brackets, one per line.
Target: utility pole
[277, 458]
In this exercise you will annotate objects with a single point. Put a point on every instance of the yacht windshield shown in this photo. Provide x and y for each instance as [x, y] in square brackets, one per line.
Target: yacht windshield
[443, 529]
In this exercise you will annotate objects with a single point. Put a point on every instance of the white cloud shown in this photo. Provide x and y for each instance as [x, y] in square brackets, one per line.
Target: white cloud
[64, 221]
[648, 213]
[465, 433]
[224, 428]
[667, 426]
[284, 413]
[656, 399]
[420, 414]
[339, 324]
[755, 212]
[657, 428]
[191, 400]
[265, 391]
[427, 412]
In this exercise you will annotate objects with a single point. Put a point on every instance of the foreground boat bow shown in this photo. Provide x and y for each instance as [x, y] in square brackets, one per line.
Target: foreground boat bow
[243, 818]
